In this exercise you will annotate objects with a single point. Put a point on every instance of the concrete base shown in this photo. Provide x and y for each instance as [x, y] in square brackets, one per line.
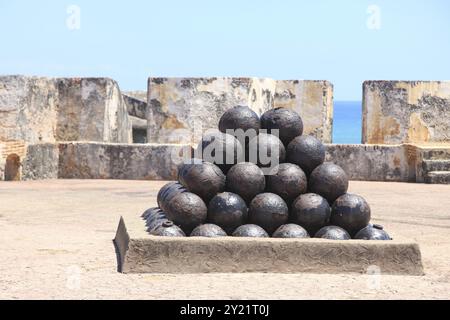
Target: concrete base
[139, 252]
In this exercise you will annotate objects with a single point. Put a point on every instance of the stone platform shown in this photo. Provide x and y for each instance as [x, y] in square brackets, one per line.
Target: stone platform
[139, 252]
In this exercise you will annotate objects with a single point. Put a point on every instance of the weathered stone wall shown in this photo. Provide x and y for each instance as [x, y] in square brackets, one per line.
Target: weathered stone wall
[136, 107]
[36, 110]
[375, 162]
[41, 162]
[92, 109]
[120, 161]
[28, 109]
[313, 100]
[406, 112]
[180, 109]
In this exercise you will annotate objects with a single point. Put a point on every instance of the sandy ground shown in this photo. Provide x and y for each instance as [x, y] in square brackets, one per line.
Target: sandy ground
[56, 243]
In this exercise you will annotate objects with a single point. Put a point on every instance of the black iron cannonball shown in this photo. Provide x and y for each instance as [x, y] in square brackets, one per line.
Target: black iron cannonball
[307, 152]
[167, 192]
[227, 210]
[266, 151]
[187, 210]
[154, 218]
[288, 122]
[208, 230]
[239, 117]
[311, 211]
[202, 178]
[288, 181]
[372, 232]
[246, 179]
[250, 230]
[168, 229]
[332, 233]
[328, 180]
[222, 149]
[268, 211]
[351, 212]
[290, 231]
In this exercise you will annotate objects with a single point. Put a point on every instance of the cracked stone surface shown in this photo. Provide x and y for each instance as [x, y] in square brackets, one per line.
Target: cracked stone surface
[406, 112]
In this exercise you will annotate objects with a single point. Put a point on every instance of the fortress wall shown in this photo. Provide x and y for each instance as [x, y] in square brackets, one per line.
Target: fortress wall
[120, 161]
[79, 160]
[313, 100]
[92, 109]
[41, 162]
[28, 109]
[375, 162]
[180, 109]
[406, 112]
[45, 110]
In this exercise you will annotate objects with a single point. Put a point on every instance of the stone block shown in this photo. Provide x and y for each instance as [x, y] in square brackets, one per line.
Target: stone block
[139, 252]
[397, 112]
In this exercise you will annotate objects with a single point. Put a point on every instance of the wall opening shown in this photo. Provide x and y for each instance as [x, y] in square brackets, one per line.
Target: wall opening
[139, 135]
[12, 168]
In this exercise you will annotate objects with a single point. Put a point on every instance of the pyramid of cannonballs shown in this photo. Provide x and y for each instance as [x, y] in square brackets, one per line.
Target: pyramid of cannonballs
[301, 196]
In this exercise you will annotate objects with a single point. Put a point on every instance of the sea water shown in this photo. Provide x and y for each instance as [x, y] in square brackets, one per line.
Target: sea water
[347, 122]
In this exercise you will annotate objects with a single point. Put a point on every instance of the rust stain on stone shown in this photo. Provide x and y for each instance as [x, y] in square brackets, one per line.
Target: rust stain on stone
[417, 131]
[172, 122]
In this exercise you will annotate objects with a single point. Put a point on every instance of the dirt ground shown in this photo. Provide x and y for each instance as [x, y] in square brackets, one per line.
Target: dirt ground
[56, 243]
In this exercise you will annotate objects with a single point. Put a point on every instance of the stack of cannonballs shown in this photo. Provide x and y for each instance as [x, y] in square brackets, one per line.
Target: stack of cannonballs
[299, 196]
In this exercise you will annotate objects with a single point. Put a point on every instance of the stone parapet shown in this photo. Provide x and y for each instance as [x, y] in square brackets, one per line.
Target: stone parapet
[397, 112]
[181, 109]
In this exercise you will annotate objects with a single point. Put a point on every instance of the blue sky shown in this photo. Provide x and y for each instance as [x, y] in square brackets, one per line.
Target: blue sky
[345, 42]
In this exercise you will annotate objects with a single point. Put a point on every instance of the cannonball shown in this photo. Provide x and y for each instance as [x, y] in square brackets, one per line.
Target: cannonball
[332, 233]
[222, 149]
[288, 181]
[246, 179]
[290, 231]
[288, 122]
[250, 230]
[228, 211]
[202, 178]
[311, 211]
[268, 211]
[307, 152]
[351, 212]
[266, 151]
[239, 117]
[154, 218]
[208, 230]
[328, 180]
[168, 229]
[187, 210]
[372, 232]
[167, 192]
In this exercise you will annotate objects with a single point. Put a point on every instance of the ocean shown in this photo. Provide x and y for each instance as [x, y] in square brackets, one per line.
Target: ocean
[347, 122]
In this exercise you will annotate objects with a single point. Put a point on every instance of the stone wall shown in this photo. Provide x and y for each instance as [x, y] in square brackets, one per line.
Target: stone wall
[180, 109]
[313, 100]
[36, 110]
[375, 162]
[406, 112]
[41, 162]
[120, 161]
[28, 109]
